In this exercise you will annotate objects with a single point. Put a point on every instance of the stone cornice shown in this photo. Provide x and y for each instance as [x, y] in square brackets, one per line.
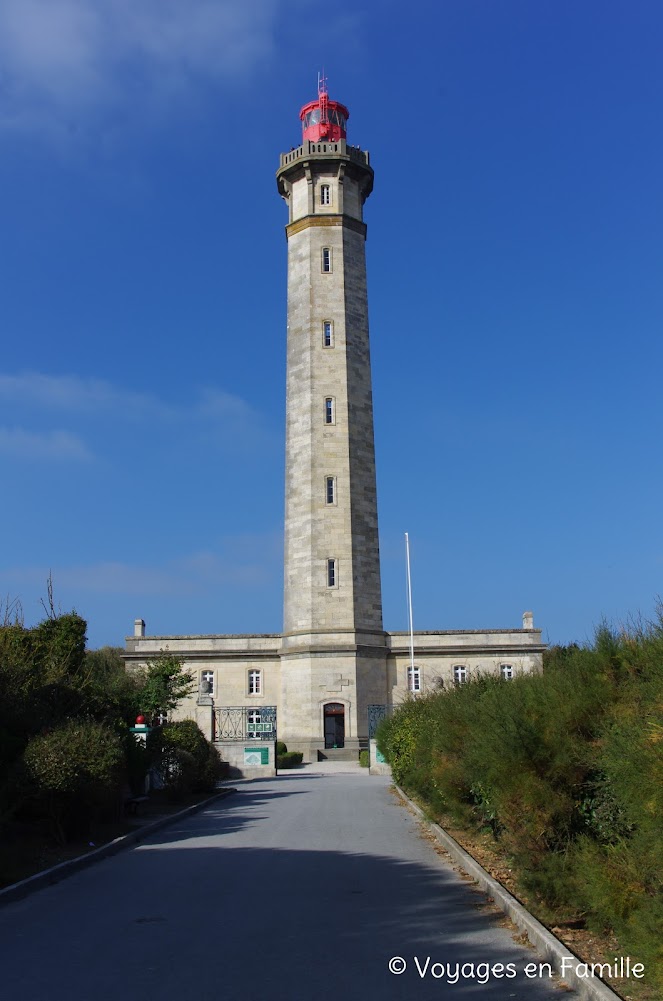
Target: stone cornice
[308, 221]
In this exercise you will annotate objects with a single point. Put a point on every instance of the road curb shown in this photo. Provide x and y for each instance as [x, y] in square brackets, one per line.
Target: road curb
[16, 891]
[541, 938]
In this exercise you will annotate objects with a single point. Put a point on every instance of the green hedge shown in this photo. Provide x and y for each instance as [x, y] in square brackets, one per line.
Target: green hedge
[291, 759]
[565, 769]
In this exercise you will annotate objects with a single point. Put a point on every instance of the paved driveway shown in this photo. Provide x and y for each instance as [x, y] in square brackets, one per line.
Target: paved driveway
[298, 887]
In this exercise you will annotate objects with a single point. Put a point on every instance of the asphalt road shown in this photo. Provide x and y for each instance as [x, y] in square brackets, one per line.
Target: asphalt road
[298, 887]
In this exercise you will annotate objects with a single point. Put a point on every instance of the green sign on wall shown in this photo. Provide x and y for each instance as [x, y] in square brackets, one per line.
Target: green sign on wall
[256, 755]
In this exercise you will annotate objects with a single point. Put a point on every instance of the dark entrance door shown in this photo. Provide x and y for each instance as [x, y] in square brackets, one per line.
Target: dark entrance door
[334, 725]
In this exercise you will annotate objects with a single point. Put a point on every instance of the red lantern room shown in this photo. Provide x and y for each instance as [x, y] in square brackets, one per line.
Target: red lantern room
[323, 119]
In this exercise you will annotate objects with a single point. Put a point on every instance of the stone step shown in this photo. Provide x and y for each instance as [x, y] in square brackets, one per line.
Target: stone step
[338, 754]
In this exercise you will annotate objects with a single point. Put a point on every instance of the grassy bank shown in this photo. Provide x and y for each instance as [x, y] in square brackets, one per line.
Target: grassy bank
[565, 770]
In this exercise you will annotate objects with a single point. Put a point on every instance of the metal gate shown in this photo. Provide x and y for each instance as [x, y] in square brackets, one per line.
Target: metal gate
[376, 713]
[244, 723]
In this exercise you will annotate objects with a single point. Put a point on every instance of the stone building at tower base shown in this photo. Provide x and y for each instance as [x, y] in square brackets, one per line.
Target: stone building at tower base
[344, 681]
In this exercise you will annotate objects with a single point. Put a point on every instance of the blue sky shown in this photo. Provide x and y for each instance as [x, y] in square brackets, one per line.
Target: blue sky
[516, 305]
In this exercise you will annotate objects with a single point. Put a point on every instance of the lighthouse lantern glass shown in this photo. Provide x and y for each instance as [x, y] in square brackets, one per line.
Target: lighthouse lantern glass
[324, 120]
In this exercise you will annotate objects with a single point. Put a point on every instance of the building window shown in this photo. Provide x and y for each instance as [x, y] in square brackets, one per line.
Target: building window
[414, 679]
[326, 259]
[330, 489]
[332, 577]
[255, 682]
[252, 720]
[207, 682]
[325, 194]
[506, 671]
[327, 334]
[460, 674]
[329, 410]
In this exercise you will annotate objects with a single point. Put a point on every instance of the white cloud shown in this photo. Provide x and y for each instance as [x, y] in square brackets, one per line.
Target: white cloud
[53, 445]
[76, 395]
[62, 58]
[217, 403]
[222, 418]
[120, 578]
[99, 578]
[188, 575]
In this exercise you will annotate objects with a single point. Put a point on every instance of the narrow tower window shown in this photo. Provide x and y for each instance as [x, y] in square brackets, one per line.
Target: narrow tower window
[325, 194]
[207, 682]
[330, 489]
[460, 674]
[506, 671]
[327, 334]
[329, 410]
[326, 259]
[255, 682]
[331, 573]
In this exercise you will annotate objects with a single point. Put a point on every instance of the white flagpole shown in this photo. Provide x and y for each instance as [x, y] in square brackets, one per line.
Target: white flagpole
[409, 603]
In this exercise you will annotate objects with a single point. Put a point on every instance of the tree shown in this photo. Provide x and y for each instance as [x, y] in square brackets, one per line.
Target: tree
[42, 679]
[166, 684]
[112, 693]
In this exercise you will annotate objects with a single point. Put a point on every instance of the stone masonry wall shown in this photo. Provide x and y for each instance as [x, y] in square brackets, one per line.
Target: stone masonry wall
[346, 529]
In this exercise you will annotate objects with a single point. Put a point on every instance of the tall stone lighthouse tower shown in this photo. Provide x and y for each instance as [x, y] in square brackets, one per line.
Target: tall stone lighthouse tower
[333, 660]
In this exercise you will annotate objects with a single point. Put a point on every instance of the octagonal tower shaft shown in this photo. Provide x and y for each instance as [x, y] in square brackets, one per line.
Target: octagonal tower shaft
[332, 561]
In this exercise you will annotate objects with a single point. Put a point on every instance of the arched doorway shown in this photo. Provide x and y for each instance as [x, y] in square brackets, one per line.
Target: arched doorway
[334, 714]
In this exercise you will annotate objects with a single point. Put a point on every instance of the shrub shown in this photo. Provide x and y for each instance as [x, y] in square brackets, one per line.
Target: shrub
[212, 770]
[281, 748]
[291, 759]
[184, 734]
[565, 769]
[42, 681]
[199, 771]
[74, 774]
[364, 758]
[178, 769]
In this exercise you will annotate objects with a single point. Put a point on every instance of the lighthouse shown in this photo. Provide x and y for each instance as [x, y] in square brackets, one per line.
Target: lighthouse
[323, 684]
[333, 654]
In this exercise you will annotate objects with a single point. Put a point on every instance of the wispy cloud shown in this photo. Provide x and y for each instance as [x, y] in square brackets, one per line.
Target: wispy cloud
[186, 576]
[216, 403]
[62, 58]
[232, 420]
[57, 446]
[77, 395]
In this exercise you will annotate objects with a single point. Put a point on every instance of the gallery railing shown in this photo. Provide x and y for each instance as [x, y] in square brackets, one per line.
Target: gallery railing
[244, 723]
